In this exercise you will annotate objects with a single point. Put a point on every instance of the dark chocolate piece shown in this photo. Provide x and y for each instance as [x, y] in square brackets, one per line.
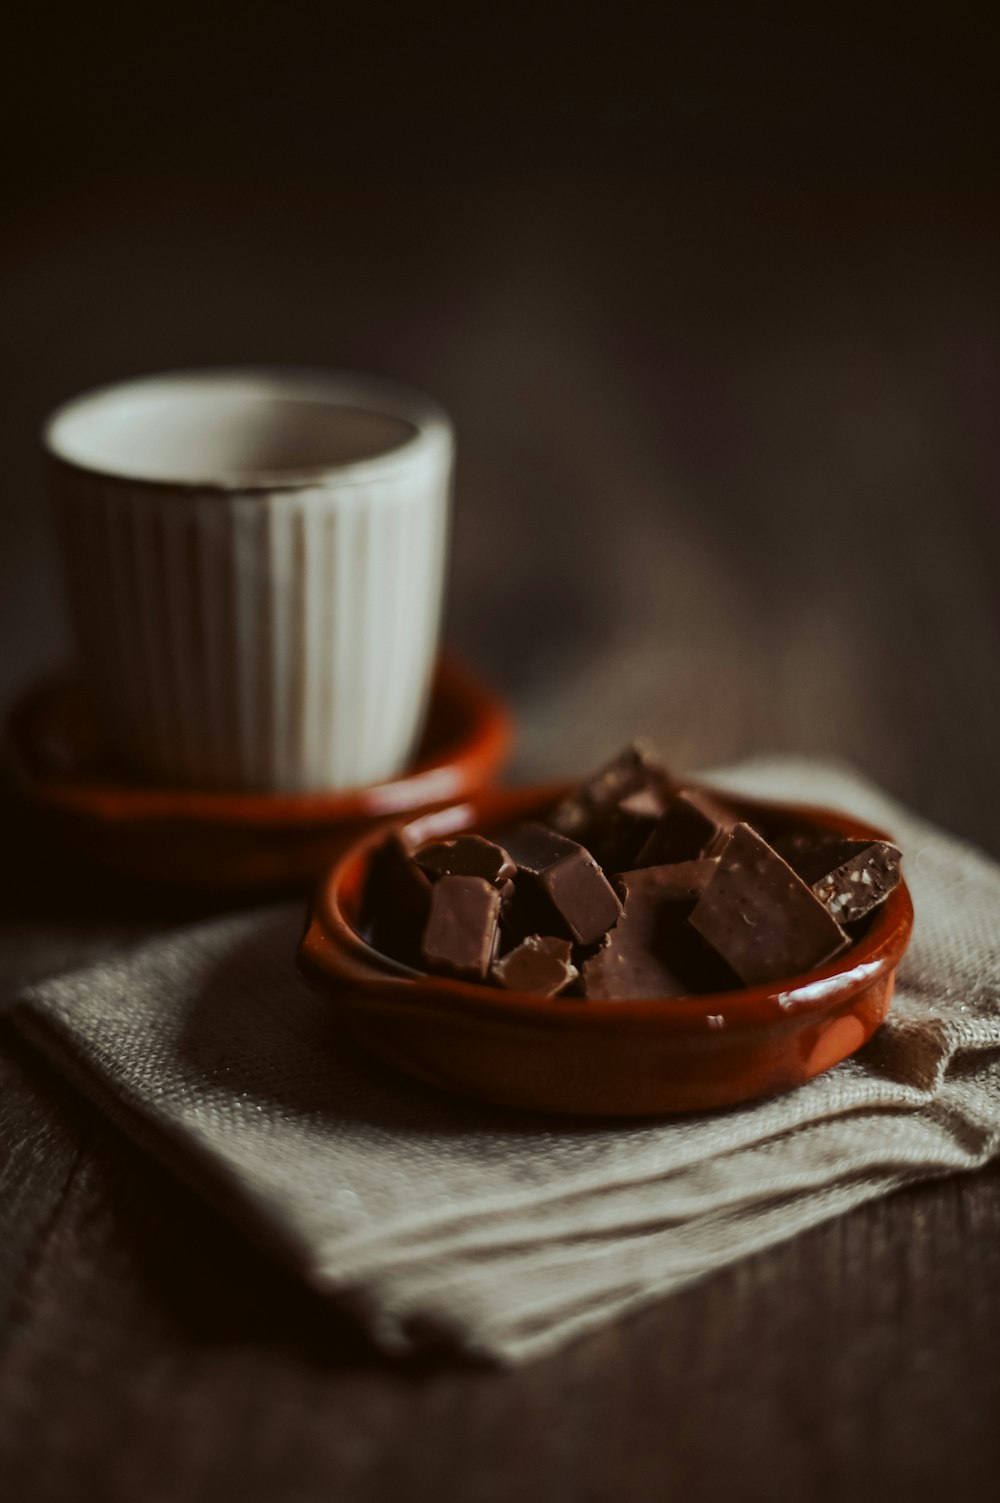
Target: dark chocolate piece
[619, 835]
[396, 903]
[850, 877]
[585, 813]
[620, 972]
[466, 856]
[862, 880]
[691, 826]
[562, 883]
[762, 919]
[636, 958]
[680, 882]
[811, 854]
[461, 934]
[541, 964]
[679, 887]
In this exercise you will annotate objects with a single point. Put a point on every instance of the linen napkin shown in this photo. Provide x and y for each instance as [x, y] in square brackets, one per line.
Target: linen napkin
[439, 1221]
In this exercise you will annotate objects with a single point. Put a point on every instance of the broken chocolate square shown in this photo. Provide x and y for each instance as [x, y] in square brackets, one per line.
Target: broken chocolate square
[639, 956]
[763, 920]
[691, 826]
[617, 837]
[651, 951]
[678, 882]
[850, 877]
[589, 813]
[466, 856]
[561, 880]
[621, 970]
[541, 964]
[461, 934]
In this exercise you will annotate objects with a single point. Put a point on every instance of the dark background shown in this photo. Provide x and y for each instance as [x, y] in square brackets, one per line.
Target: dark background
[709, 290]
[711, 293]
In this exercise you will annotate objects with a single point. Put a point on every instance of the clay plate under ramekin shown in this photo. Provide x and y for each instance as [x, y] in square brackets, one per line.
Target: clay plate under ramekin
[629, 1058]
[239, 843]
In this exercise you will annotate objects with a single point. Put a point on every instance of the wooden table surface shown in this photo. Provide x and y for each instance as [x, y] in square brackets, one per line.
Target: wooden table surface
[729, 477]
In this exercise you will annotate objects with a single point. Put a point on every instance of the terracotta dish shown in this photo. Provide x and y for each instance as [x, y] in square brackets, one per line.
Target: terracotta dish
[622, 1058]
[234, 842]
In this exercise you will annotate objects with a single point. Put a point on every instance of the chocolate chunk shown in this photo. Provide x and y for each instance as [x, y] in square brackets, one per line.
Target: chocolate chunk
[680, 882]
[651, 951]
[584, 814]
[617, 837]
[562, 884]
[637, 958]
[850, 877]
[541, 964]
[691, 958]
[811, 854]
[461, 934]
[862, 879]
[396, 903]
[761, 918]
[466, 856]
[619, 972]
[692, 825]
[534, 848]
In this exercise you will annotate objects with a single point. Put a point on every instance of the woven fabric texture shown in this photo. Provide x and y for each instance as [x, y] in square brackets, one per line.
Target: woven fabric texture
[442, 1222]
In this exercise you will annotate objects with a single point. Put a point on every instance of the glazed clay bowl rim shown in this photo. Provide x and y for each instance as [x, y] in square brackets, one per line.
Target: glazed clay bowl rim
[332, 950]
[464, 760]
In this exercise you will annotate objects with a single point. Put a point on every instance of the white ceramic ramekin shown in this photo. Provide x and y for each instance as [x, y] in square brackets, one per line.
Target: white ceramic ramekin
[255, 562]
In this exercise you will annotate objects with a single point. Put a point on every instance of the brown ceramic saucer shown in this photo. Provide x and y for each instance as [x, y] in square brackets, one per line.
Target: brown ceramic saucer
[602, 1058]
[239, 843]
